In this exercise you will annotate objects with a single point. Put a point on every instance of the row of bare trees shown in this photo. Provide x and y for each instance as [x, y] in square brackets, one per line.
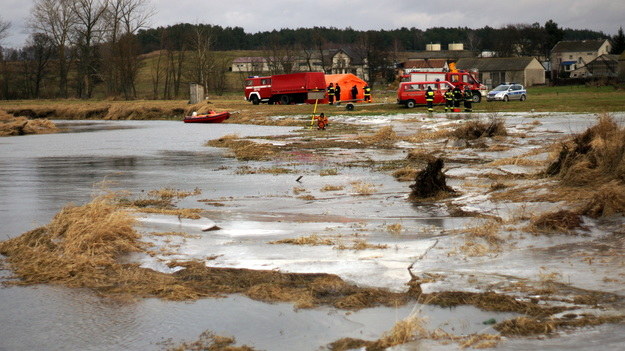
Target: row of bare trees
[85, 42]
[189, 59]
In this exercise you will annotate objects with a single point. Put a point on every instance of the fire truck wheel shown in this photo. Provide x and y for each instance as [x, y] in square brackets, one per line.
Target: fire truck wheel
[349, 107]
[477, 98]
[410, 104]
[285, 100]
[255, 100]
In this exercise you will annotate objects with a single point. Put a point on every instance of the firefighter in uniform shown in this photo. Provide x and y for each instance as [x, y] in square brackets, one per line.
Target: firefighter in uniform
[449, 100]
[458, 96]
[429, 98]
[468, 99]
[330, 93]
[367, 91]
[337, 93]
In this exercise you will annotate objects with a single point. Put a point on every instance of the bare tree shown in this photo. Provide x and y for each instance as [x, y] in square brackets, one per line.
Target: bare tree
[124, 18]
[37, 55]
[88, 33]
[4, 32]
[4, 28]
[56, 19]
[204, 61]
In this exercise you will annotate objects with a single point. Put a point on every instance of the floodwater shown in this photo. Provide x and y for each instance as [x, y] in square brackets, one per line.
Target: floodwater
[42, 173]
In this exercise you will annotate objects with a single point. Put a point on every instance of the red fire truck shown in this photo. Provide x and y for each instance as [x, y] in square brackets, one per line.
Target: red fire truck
[303, 87]
[457, 78]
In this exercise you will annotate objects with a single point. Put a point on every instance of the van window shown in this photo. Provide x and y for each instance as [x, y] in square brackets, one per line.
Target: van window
[446, 86]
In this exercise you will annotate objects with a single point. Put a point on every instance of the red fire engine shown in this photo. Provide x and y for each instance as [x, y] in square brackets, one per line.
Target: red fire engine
[303, 87]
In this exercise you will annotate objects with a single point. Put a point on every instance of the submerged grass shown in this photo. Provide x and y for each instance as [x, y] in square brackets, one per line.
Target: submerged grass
[385, 137]
[476, 129]
[244, 150]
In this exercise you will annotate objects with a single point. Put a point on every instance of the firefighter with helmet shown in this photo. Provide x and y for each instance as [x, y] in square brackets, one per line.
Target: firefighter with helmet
[330, 91]
[449, 100]
[429, 99]
[458, 96]
[468, 99]
[367, 91]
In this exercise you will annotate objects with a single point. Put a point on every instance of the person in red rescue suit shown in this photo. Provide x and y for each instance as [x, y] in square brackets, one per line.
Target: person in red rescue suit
[322, 121]
[429, 98]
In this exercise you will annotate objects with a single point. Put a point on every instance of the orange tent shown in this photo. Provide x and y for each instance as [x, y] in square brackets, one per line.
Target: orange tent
[346, 82]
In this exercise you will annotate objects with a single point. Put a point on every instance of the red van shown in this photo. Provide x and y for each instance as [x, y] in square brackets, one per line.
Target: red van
[412, 94]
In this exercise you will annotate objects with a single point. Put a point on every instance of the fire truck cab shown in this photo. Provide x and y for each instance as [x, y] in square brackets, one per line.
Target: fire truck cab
[258, 89]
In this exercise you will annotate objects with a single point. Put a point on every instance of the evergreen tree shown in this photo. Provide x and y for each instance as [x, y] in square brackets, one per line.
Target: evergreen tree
[618, 42]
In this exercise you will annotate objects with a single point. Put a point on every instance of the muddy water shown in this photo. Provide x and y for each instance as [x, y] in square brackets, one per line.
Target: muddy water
[42, 173]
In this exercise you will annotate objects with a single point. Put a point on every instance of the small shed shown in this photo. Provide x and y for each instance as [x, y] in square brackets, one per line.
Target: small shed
[346, 82]
[493, 71]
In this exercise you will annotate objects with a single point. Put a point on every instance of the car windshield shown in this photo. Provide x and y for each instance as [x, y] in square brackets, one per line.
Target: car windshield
[501, 88]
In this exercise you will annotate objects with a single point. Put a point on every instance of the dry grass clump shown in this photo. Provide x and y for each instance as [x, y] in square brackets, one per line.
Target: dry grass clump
[516, 161]
[265, 170]
[488, 231]
[476, 341]
[11, 126]
[594, 156]
[476, 129]
[489, 301]
[420, 155]
[78, 248]
[361, 245]
[405, 174]
[403, 331]
[362, 188]
[190, 213]
[384, 137]
[328, 172]
[313, 240]
[211, 342]
[426, 135]
[525, 326]
[608, 200]
[245, 150]
[560, 221]
[395, 229]
[483, 239]
[168, 193]
[332, 188]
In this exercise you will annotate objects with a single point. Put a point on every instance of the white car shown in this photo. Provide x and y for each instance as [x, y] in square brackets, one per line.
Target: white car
[506, 92]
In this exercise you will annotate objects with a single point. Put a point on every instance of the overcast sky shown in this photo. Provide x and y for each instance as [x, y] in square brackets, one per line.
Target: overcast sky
[261, 15]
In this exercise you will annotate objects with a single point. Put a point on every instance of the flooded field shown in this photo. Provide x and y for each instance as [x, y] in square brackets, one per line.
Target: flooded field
[320, 202]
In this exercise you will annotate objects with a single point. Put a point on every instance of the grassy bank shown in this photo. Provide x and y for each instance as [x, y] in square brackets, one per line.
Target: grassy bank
[540, 99]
